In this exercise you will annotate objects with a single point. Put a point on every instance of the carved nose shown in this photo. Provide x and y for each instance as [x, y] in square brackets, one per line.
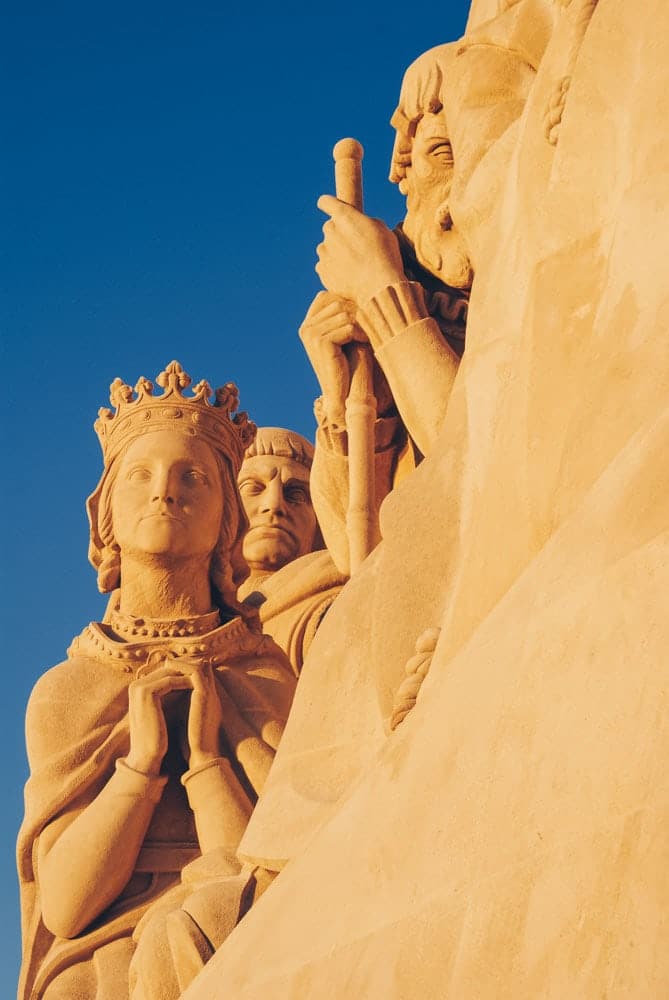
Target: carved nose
[274, 508]
[165, 487]
[163, 492]
[273, 500]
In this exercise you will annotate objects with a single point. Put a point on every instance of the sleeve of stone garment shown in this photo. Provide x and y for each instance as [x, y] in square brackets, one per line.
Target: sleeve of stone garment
[329, 478]
[418, 363]
[219, 803]
[86, 858]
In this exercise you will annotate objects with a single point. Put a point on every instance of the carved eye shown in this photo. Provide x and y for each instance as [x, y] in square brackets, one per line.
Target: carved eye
[194, 477]
[296, 494]
[139, 475]
[442, 151]
[250, 488]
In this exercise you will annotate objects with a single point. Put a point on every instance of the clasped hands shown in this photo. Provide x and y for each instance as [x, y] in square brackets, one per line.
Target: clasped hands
[358, 257]
[147, 698]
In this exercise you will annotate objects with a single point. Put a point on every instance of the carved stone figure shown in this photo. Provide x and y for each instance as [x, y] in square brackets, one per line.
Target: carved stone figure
[508, 838]
[149, 744]
[414, 282]
[293, 580]
[407, 292]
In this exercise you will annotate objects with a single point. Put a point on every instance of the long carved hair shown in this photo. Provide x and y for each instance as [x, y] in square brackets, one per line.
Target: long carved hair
[228, 568]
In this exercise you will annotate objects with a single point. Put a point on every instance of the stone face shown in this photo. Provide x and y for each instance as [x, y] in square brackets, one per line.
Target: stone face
[509, 837]
[274, 486]
[149, 744]
[292, 580]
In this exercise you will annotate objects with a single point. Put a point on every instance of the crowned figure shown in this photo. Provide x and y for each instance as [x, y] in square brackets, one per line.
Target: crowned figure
[149, 744]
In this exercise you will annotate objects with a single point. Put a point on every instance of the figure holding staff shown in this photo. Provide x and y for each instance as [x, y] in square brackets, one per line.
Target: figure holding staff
[403, 292]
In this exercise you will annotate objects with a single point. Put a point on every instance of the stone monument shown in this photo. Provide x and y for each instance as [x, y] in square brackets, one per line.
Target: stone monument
[471, 794]
[509, 837]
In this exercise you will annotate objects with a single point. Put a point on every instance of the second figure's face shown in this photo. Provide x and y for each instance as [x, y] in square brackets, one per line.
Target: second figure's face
[282, 522]
[438, 245]
[168, 498]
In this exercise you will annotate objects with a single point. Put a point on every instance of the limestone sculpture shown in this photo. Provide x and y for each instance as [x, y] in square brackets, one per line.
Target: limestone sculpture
[508, 837]
[149, 744]
[292, 580]
[414, 281]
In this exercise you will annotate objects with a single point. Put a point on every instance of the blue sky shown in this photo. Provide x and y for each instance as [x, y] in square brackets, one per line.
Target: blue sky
[162, 164]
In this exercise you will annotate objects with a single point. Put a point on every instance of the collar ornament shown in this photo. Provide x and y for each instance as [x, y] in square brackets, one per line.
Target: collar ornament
[167, 628]
[130, 655]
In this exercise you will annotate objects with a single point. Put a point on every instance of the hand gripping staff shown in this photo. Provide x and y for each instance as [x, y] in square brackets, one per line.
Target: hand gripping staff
[361, 523]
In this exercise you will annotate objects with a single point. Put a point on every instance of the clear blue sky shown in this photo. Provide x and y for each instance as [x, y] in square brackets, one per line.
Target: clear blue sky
[161, 167]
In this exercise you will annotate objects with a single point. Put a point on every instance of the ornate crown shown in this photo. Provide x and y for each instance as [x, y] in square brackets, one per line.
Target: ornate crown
[139, 411]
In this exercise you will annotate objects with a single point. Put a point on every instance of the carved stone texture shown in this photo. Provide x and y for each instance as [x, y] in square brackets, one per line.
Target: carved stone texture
[416, 671]
[149, 744]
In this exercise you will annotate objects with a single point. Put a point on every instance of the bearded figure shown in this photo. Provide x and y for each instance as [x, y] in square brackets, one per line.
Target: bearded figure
[405, 293]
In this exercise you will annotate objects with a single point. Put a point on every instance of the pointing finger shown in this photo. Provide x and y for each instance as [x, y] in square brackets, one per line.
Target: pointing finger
[338, 210]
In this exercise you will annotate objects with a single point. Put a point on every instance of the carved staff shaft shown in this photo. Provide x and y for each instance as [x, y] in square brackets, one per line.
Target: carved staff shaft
[361, 521]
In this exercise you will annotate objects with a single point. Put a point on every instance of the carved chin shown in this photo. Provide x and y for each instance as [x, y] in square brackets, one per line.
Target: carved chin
[268, 549]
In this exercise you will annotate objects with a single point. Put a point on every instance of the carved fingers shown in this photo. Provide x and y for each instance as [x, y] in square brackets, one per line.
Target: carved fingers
[147, 700]
[328, 327]
[146, 716]
[359, 255]
[205, 717]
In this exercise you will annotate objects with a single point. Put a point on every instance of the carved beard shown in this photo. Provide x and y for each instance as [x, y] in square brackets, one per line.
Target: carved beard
[438, 245]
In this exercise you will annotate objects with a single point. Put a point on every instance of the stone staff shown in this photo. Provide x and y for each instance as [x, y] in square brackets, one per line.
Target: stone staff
[361, 524]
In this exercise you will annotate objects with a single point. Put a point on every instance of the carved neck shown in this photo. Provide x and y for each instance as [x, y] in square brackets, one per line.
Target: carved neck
[155, 590]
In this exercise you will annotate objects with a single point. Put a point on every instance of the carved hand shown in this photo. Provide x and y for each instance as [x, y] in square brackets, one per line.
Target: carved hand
[148, 729]
[328, 326]
[359, 255]
[146, 713]
[205, 717]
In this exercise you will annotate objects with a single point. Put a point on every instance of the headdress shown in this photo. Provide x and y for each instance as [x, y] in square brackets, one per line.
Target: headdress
[422, 92]
[282, 442]
[138, 411]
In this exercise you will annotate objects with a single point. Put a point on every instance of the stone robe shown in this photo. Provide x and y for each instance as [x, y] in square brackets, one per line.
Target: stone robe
[77, 729]
[293, 602]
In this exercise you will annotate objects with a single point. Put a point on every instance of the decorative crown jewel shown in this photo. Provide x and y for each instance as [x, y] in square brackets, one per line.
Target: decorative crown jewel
[139, 411]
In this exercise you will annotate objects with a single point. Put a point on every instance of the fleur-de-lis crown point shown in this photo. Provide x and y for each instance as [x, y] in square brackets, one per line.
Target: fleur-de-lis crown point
[140, 411]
